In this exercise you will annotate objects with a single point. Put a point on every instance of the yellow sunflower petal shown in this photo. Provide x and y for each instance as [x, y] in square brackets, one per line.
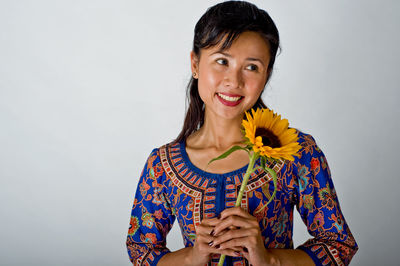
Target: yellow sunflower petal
[280, 126]
[266, 118]
[288, 136]
[275, 119]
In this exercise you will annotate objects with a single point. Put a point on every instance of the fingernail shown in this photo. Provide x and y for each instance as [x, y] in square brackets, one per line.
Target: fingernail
[245, 249]
[212, 233]
[211, 243]
[217, 246]
[237, 253]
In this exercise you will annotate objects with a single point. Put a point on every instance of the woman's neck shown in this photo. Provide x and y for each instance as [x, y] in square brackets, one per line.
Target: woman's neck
[218, 133]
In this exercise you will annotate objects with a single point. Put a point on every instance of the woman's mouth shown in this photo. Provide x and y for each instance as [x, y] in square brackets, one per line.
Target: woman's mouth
[229, 100]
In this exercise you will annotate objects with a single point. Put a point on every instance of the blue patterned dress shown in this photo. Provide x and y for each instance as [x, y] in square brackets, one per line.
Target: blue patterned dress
[171, 187]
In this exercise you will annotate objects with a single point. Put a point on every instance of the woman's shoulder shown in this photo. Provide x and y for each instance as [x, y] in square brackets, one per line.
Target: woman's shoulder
[308, 145]
[158, 160]
[173, 146]
[310, 156]
[155, 151]
[159, 152]
[305, 139]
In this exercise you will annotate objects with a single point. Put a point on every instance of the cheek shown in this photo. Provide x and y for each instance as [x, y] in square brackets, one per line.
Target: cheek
[208, 83]
[202, 93]
[205, 90]
[254, 90]
[255, 87]
[209, 78]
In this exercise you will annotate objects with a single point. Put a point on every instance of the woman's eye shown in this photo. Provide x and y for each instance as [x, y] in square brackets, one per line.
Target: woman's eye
[222, 61]
[252, 67]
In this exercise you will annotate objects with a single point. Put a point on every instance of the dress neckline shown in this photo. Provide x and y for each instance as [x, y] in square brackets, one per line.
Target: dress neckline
[194, 168]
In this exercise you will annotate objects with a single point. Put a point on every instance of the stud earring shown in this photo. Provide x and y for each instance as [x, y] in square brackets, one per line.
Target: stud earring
[194, 75]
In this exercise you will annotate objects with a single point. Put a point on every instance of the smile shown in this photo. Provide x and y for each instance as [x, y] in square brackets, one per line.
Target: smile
[229, 100]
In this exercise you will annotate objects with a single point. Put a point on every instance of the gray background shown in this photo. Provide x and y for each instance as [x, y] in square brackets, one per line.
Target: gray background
[88, 88]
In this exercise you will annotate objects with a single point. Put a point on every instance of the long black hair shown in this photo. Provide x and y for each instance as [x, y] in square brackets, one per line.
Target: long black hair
[228, 19]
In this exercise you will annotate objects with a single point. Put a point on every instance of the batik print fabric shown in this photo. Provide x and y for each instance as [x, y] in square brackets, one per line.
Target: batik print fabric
[171, 187]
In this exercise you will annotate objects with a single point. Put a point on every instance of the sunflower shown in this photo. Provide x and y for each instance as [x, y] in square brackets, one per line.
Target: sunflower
[269, 135]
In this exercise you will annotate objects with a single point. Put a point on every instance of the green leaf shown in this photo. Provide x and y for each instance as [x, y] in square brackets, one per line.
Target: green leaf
[263, 162]
[227, 153]
[275, 180]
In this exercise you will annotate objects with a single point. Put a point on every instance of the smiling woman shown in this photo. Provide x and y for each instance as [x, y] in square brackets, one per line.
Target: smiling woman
[230, 81]
[233, 55]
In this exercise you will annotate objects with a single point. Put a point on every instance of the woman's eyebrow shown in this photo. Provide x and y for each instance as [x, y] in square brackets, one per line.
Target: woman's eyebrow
[221, 52]
[248, 59]
[255, 59]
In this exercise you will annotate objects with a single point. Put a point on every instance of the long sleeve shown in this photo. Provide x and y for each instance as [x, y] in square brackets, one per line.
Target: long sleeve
[317, 203]
[152, 216]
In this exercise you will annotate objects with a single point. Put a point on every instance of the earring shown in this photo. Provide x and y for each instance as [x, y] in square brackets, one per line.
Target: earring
[194, 75]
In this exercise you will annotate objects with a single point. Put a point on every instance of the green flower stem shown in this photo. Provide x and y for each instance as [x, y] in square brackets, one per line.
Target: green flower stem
[253, 158]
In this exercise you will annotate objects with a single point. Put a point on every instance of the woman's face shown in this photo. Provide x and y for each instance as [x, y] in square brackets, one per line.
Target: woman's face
[231, 81]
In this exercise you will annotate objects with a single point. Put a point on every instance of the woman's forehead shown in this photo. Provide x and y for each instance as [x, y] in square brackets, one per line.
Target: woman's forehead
[247, 42]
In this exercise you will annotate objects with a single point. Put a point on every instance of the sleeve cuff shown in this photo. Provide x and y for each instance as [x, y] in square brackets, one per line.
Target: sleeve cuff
[311, 254]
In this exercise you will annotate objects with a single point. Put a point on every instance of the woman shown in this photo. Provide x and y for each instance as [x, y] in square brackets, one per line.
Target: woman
[234, 50]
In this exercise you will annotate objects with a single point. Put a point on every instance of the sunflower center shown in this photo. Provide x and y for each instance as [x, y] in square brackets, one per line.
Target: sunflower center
[268, 137]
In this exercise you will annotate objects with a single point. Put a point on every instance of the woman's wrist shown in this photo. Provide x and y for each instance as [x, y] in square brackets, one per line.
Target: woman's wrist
[271, 258]
[189, 256]
[182, 257]
[190, 259]
[281, 256]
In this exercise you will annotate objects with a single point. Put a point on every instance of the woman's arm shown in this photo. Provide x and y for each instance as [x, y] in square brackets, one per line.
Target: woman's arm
[281, 257]
[182, 256]
[319, 208]
[291, 257]
[151, 217]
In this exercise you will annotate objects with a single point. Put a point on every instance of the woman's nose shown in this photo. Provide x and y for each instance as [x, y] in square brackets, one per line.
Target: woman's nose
[233, 78]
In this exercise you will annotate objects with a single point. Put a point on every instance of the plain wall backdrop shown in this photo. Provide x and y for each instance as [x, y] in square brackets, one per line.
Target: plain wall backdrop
[89, 88]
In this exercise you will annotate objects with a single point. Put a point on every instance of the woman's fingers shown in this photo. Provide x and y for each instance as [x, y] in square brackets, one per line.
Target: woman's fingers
[236, 221]
[234, 252]
[234, 244]
[202, 246]
[238, 211]
[205, 235]
[204, 238]
[206, 226]
[210, 222]
[228, 234]
[204, 229]
[232, 234]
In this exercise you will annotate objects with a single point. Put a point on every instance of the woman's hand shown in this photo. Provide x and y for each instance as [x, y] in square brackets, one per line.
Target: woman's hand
[239, 231]
[202, 250]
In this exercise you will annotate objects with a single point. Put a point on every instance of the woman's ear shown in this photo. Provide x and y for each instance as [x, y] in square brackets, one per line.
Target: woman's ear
[194, 64]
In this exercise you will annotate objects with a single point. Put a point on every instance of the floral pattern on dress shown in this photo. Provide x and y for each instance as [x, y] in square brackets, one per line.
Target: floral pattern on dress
[171, 187]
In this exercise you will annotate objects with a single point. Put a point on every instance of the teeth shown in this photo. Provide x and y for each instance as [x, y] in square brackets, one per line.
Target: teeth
[228, 98]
